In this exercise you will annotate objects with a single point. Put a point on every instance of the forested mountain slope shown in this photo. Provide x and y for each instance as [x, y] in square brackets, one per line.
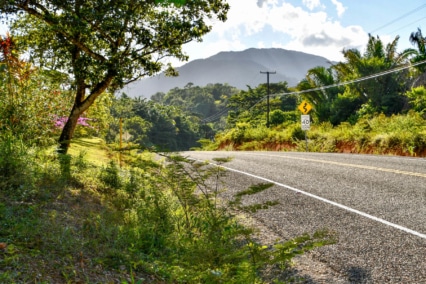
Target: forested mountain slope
[236, 68]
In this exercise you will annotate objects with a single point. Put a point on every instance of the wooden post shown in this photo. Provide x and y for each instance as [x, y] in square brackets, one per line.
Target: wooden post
[121, 140]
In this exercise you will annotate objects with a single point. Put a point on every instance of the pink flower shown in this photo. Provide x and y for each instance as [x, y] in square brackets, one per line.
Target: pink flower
[60, 121]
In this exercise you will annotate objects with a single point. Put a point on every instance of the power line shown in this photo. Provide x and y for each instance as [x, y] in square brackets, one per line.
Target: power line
[383, 73]
[394, 70]
[418, 20]
[215, 116]
[399, 18]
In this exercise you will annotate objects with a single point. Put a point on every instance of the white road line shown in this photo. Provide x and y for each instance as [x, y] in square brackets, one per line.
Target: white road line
[404, 229]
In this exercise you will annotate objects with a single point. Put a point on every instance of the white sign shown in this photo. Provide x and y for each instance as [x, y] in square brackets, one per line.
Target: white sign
[306, 121]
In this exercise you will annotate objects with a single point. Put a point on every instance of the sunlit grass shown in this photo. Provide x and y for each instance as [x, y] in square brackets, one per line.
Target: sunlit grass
[94, 150]
[402, 134]
[80, 218]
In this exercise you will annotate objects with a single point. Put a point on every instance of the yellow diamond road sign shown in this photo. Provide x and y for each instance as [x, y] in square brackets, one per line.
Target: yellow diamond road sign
[305, 107]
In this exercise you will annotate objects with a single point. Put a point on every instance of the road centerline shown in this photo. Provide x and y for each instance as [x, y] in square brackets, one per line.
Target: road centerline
[350, 165]
[341, 206]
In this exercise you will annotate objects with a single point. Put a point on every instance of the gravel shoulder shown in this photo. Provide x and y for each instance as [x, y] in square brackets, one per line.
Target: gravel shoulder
[304, 269]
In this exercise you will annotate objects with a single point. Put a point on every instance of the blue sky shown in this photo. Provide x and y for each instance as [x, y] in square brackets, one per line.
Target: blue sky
[321, 27]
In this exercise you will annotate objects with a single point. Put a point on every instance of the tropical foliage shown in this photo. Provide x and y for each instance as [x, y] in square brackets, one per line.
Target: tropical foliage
[101, 45]
[378, 81]
[31, 98]
[172, 121]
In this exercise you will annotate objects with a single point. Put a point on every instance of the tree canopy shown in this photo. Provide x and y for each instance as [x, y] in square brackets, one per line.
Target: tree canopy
[105, 44]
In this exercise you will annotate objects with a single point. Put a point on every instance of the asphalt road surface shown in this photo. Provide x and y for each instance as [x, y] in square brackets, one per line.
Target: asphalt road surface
[376, 204]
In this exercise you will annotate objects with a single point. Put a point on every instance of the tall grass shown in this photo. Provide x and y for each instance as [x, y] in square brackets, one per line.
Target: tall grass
[151, 221]
[397, 134]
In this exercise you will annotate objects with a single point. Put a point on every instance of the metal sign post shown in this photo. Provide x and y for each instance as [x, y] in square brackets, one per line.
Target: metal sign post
[305, 108]
[306, 125]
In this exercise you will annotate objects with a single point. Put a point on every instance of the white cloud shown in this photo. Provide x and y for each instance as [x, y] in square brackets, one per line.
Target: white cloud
[244, 18]
[314, 32]
[311, 4]
[261, 44]
[295, 28]
[339, 7]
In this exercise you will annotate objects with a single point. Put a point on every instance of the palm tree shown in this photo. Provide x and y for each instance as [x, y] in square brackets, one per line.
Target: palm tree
[416, 38]
[322, 99]
[384, 93]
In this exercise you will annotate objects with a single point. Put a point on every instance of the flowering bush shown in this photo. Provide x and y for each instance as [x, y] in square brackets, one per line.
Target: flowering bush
[60, 121]
[29, 96]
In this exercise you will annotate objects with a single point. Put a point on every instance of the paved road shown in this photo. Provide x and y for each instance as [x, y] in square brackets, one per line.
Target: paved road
[376, 204]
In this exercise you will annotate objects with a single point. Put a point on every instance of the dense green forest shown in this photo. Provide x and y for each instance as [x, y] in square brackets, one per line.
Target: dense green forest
[173, 121]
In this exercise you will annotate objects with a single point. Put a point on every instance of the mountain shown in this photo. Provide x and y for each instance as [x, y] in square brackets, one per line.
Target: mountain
[236, 68]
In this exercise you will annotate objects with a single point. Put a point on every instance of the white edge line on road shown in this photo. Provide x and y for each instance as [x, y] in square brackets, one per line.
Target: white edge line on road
[404, 229]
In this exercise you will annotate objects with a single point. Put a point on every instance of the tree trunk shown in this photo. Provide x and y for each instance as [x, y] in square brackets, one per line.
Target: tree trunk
[81, 104]
[68, 131]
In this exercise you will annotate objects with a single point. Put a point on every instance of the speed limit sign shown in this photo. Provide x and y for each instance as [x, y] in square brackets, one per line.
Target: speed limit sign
[306, 122]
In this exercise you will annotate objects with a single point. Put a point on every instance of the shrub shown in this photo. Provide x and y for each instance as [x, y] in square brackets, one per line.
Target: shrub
[296, 132]
[417, 98]
[15, 161]
[110, 176]
[277, 117]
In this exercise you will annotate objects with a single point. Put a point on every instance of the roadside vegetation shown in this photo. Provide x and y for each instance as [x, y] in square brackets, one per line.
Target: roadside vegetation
[81, 218]
[395, 135]
[374, 102]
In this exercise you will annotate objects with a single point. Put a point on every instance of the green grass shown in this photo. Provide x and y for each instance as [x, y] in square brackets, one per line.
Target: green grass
[395, 135]
[80, 218]
[94, 149]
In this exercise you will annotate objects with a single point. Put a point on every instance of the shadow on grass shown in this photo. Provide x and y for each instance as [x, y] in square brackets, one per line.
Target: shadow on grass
[87, 142]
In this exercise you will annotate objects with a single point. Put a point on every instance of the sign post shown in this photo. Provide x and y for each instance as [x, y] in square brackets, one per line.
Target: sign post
[305, 108]
[306, 122]
[306, 125]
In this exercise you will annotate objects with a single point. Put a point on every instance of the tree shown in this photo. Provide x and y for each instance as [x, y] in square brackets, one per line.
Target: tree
[384, 93]
[28, 96]
[251, 105]
[416, 38]
[168, 127]
[322, 99]
[105, 44]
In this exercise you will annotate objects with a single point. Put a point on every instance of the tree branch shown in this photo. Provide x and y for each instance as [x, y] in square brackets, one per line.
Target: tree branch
[42, 17]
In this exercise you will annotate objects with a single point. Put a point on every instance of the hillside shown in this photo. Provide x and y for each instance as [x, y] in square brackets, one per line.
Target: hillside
[236, 68]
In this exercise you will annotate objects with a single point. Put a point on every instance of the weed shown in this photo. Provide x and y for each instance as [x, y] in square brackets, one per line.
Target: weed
[14, 160]
[110, 175]
[256, 207]
[253, 189]
[160, 221]
[397, 134]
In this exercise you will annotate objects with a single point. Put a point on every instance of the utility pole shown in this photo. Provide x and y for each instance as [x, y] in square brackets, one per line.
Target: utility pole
[267, 82]
[121, 141]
